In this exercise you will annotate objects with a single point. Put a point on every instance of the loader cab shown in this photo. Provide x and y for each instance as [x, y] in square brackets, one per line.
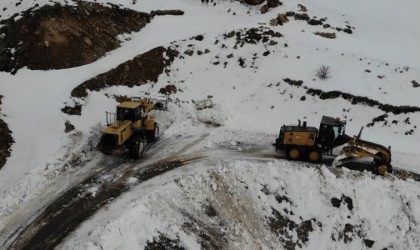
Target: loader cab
[130, 111]
[330, 133]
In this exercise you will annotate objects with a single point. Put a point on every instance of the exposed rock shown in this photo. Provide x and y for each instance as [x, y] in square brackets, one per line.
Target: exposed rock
[166, 12]
[282, 19]
[348, 31]
[163, 242]
[87, 41]
[264, 9]
[168, 89]
[326, 35]
[189, 52]
[255, 35]
[368, 243]
[336, 202]
[363, 100]
[209, 210]
[314, 22]
[302, 8]
[254, 2]
[285, 228]
[68, 127]
[75, 110]
[297, 83]
[301, 16]
[273, 3]
[415, 84]
[199, 38]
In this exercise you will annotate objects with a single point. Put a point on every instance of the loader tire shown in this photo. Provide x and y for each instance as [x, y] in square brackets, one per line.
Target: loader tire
[314, 155]
[383, 167]
[154, 134]
[135, 147]
[293, 154]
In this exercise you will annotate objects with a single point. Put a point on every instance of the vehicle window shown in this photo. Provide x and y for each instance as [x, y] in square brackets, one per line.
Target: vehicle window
[337, 131]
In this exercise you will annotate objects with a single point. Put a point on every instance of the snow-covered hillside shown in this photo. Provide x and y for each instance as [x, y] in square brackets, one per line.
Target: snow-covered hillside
[231, 190]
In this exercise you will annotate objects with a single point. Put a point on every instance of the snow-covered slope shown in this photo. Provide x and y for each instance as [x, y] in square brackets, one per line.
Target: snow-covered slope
[379, 60]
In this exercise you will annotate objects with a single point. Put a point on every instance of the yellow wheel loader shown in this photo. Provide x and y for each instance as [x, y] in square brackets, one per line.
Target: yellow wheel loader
[130, 128]
[301, 142]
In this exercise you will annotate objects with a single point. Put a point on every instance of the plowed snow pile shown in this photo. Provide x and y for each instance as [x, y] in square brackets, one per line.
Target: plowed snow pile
[251, 204]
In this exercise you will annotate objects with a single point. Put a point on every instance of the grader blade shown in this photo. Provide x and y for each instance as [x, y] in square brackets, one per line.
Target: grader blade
[342, 159]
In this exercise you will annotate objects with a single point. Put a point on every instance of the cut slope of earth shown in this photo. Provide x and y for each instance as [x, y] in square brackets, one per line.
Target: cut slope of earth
[57, 37]
[6, 140]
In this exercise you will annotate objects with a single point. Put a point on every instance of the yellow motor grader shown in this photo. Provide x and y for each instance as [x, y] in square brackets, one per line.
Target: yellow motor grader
[131, 127]
[302, 142]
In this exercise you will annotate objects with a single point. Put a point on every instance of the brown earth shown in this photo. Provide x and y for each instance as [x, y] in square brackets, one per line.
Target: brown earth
[6, 141]
[57, 37]
[324, 95]
[141, 69]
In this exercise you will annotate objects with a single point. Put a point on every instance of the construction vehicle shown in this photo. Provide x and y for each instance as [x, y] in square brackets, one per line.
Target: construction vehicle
[301, 142]
[131, 127]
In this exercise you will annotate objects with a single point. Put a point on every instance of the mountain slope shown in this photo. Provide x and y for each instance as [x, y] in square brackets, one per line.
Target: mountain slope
[245, 72]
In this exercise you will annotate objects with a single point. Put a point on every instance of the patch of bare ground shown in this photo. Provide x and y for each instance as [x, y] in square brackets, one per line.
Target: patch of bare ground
[138, 71]
[166, 12]
[6, 141]
[283, 18]
[388, 108]
[324, 95]
[285, 228]
[329, 35]
[163, 242]
[57, 37]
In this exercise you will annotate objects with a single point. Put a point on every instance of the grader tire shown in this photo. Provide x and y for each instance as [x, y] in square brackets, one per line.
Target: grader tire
[293, 154]
[314, 156]
[383, 167]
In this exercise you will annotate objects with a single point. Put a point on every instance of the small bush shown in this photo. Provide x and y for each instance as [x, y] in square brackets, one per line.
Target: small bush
[323, 72]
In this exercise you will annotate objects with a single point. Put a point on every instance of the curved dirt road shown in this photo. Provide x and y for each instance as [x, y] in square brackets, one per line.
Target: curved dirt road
[63, 215]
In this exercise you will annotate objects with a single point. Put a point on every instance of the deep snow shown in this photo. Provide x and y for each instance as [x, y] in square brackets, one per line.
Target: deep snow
[250, 112]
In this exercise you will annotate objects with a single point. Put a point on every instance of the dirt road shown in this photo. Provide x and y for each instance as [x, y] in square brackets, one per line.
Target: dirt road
[63, 215]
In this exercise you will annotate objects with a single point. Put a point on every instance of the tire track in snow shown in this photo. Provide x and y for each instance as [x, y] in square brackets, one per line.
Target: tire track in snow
[77, 205]
[63, 215]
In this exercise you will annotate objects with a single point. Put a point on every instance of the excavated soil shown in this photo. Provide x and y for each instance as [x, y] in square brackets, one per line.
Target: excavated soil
[141, 69]
[6, 140]
[57, 37]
